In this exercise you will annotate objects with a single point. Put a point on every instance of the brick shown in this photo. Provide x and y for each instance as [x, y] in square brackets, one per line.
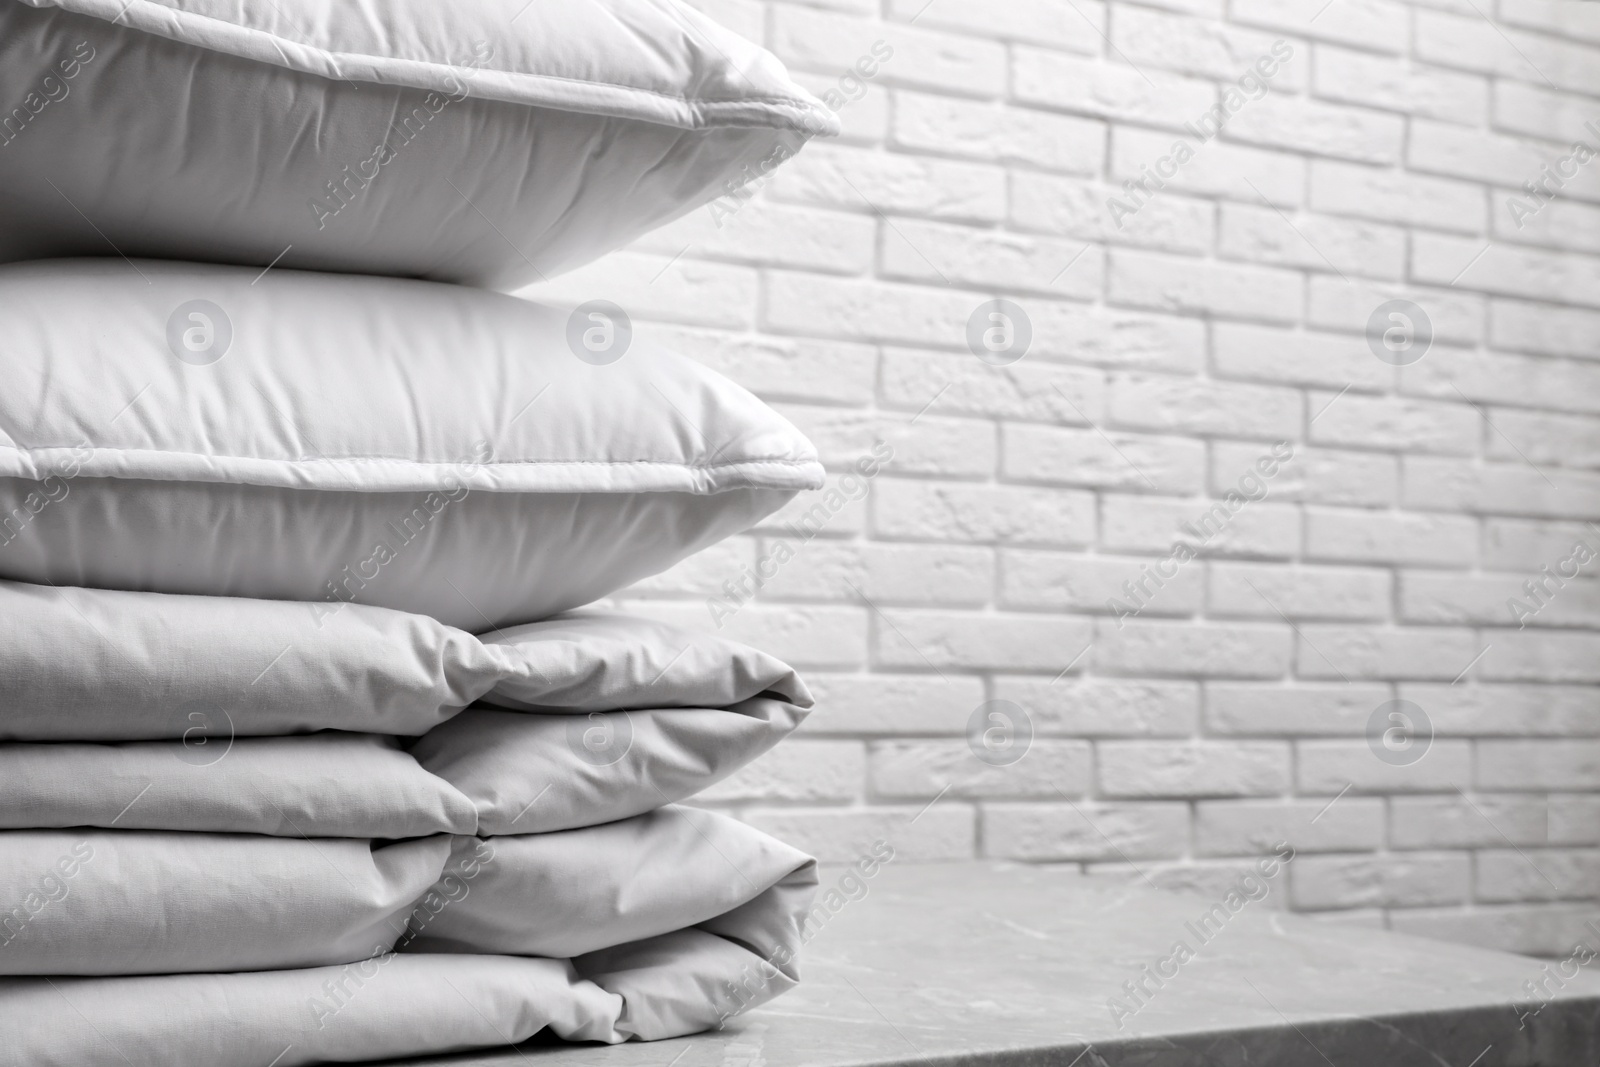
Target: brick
[1231, 290]
[1107, 90]
[1104, 707]
[1349, 652]
[930, 445]
[1108, 337]
[1053, 581]
[947, 831]
[1474, 43]
[932, 640]
[1497, 488]
[1202, 46]
[1393, 880]
[1563, 19]
[1394, 84]
[1498, 378]
[1574, 819]
[1137, 524]
[1091, 211]
[1255, 827]
[799, 771]
[1252, 590]
[1297, 357]
[1380, 25]
[1149, 647]
[924, 769]
[1329, 766]
[828, 42]
[1539, 111]
[993, 132]
[1397, 196]
[1509, 710]
[1337, 304]
[1459, 822]
[1395, 423]
[800, 517]
[1151, 769]
[889, 574]
[936, 253]
[1185, 405]
[769, 234]
[1532, 656]
[1568, 225]
[1026, 391]
[1302, 709]
[1136, 462]
[1319, 129]
[1529, 544]
[1515, 875]
[1084, 831]
[1506, 269]
[782, 368]
[1538, 764]
[1311, 242]
[982, 514]
[1486, 600]
[869, 705]
[1391, 537]
[1489, 156]
[1074, 29]
[1314, 475]
[856, 310]
[840, 176]
[1216, 168]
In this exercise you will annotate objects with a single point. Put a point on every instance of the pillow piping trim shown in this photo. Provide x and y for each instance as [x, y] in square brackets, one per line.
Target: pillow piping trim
[379, 474]
[800, 113]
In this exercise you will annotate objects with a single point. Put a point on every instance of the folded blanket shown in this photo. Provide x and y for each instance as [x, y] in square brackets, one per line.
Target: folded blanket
[485, 772]
[107, 902]
[387, 1007]
[99, 665]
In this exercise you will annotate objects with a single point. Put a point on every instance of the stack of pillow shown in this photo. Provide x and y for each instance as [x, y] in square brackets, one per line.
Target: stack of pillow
[304, 754]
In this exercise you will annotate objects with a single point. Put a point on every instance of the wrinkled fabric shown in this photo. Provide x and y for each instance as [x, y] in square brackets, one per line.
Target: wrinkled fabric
[491, 142]
[391, 1006]
[345, 439]
[94, 902]
[100, 665]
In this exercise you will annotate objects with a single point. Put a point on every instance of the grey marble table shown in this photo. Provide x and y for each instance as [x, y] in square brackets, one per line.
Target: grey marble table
[1016, 966]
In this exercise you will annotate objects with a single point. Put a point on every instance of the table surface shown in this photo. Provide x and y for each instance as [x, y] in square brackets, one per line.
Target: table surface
[995, 964]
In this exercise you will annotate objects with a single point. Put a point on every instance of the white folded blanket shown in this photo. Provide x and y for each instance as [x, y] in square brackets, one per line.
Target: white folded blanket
[485, 772]
[99, 665]
[388, 1007]
[108, 902]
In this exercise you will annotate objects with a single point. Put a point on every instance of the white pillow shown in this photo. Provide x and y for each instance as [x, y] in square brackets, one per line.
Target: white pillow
[485, 141]
[219, 430]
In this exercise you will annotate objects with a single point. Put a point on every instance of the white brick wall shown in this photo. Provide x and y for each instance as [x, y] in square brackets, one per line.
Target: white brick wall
[1226, 313]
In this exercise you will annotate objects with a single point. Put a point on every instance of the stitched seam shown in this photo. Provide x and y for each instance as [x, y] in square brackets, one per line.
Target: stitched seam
[432, 65]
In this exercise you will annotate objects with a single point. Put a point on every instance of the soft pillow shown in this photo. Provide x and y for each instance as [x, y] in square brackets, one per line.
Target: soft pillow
[485, 141]
[339, 438]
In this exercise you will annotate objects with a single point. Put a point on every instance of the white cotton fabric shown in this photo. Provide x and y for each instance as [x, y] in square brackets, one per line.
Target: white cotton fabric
[363, 440]
[99, 665]
[491, 142]
[485, 772]
[92, 902]
[392, 1006]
